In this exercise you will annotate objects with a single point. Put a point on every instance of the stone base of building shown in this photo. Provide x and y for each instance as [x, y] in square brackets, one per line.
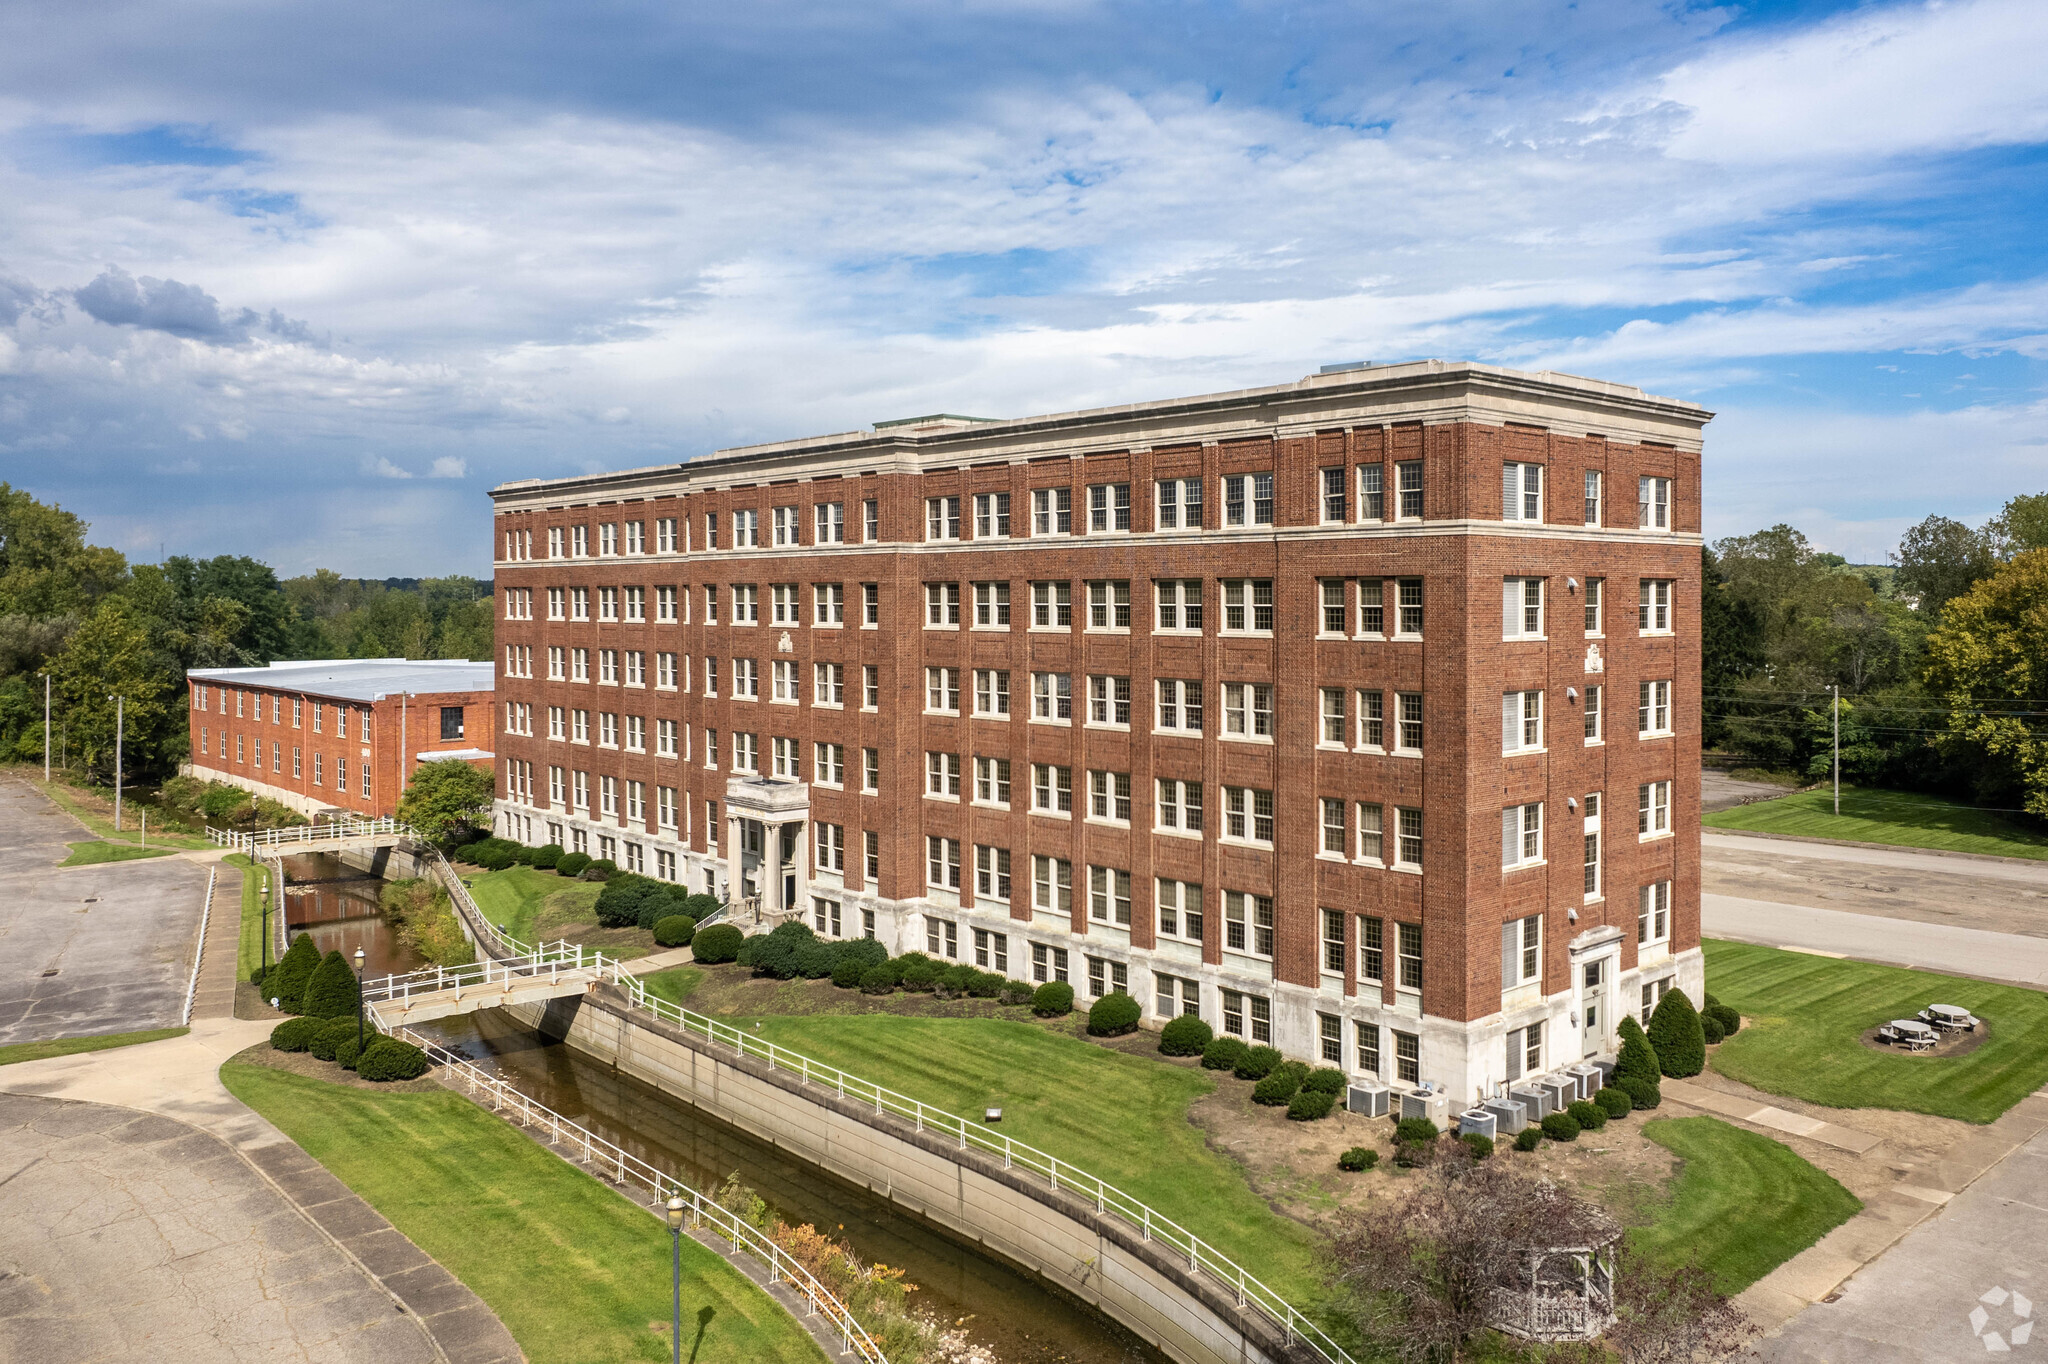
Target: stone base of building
[1467, 1061]
[293, 800]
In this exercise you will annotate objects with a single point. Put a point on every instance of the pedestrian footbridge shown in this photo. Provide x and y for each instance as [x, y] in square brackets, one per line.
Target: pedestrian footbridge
[551, 971]
[342, 835]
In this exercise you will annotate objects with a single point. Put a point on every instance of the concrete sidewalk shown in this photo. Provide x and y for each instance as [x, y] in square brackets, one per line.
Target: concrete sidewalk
[1975, 952]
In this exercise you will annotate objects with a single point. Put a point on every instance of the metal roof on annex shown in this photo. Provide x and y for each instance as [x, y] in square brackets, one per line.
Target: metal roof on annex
[358, 679]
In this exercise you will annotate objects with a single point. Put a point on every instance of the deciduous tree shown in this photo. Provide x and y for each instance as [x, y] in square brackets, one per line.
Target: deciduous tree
[447, 800]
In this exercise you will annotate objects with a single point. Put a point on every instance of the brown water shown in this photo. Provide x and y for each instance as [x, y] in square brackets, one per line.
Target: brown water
[338, 906]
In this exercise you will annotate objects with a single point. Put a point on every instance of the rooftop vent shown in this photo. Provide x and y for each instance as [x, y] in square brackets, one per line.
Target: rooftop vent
[936, 420]
[1346, 367]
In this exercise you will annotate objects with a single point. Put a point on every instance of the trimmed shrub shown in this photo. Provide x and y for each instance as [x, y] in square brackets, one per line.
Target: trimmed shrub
[1257, 1063]
[1480, 1147]
[1113, 1015]
[907, 958]
[814, 959]
[1053, 999]
[295, 1034]
[618, 904]
[1590, 1117]
[986, 985]
[332, 990]
[1561, 1127]
[1528, 1139]
[1676, 1037]
[955, 980]
[1184, 1036]
[387, 1058]
[846, 974]
[287, 983]
[1707, 1000]
[1310, 1104]
[331, 1035]
[1711, 1030]
[866, 951]
[1223, 1053]
[1645, 1094]
[1415, 1130]
[1016, 992]
[878, 980]
[1277, 1088]
[603, 869]
[1328, 1080]
[492, 858]
[700, 906]
[919, 974]
[571, 864]
[1638, 1059]
[661, 903]
[1358, 1158]
[1615, 1102]
[524, 857]
[546, 856]
[345, 1053]
[1727, 1017]
[675, 931]
[716, 944]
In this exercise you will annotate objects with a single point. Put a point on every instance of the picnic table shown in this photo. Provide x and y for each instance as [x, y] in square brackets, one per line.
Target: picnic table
[1908, 1032]
[1949, 1017]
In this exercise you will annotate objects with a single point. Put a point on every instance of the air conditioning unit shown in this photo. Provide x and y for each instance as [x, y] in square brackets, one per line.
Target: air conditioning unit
[1590, 1079]
[1476, 1122]
[1535, 1101]
[1606, 1069]
[1508, 1115]
[1563, 1090]
[1369, 1099]
[1426, 1103]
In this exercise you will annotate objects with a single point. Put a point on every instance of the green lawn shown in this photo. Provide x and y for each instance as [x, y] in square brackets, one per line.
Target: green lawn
[1897, 817]
[93, 853]
[575, 1271]
[71, 1046]
[249, 953]
[1122, 1118]
[103, 826]
[674, 984]
[1741, 1205]
[528, 902]
[1810, 1013]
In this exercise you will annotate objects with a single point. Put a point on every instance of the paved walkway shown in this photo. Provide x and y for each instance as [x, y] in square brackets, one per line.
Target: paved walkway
[1869, 937]
[1768, 1115]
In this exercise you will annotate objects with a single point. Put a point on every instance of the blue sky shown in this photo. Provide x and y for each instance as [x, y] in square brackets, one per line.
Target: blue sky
[303, 283]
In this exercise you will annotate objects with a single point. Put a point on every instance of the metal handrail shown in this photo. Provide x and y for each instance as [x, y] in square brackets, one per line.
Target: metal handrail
[307, 835]
[703, 1211]
[199, 953]
[555, 962]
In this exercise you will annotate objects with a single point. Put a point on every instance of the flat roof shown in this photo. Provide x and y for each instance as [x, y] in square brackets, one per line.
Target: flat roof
[358, 679]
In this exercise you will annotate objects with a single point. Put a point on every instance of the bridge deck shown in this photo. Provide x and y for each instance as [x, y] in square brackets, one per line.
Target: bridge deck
[424, 1006]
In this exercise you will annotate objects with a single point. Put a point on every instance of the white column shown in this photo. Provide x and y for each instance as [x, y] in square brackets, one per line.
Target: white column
[734, 857]
[803, 870]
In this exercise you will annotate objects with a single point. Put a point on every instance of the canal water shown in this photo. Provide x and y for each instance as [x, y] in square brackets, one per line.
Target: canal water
[1012, 1314]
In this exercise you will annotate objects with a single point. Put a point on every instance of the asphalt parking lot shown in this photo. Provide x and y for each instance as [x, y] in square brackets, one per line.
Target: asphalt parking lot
[94, 949]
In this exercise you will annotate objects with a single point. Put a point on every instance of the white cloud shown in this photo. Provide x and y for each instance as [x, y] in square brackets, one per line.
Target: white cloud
[380, 467]
[449, 466]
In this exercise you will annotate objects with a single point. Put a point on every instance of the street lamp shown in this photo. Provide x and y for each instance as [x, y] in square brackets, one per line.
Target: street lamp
[675, 1242]
[359, 1001]
[264, 901]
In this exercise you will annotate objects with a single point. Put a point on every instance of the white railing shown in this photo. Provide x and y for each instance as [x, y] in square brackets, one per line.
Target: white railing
[199, 953]
[555, 963]
[303, 836]
[607, 1157]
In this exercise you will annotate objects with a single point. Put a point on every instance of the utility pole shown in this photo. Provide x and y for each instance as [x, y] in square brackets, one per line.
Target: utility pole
[119, 727]
[1838, 751]
[46, 729]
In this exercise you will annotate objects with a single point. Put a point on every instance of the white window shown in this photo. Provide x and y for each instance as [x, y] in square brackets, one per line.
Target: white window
[1408, 838]
[942, 775]
[746, 530]
[1052, 605]
[991, 606]
[786, 761]
[665, 605]
[579, 726]
[829, 764]
[870, 605]
[942, 691]
[1109, 896]
[636, 734]
[1336, 725]
[828, 684]
[1109, 507]
[991, 882]
[1179, 905]
[1522, 608]
[991, 515]
[992, 950]
[1247, 710]
[871, 520]
[608, 539]
[829, 519]
[991, 691]
[1372, 719]
[942, 866]
[1371, 833]
[871, 770]
[1248, 923]
[711, 530]
[942, 518]
[1408, 607]
[1408, 722]
[1179, 808]
[665, 738]
[1052, 888]
[1248, 816]
[783, 524]
[1653, 708]
[746, 753]
[1109, 701]
[1521, 721]
[746, 604]
[1596, 606]
[710, 604]
[1109, 605]
[1052, 789]
[1247, 606]
[1521, 491]
[782, 604]
[1336, 616]
[636, 537]
[746, 679]
[1179, 602]
[1408, 484]
[828, 603]
[1653, 608]
[1653, 913]
[1521, 951]
[941, 604]
[1052, 696]
[1109, 796]
[1593, 498]
[1653, 809]
[1521, 835]
[1653, 504]
[1336, 837]
[1052, 511]
[992, 781]
[1180, 504]
[1592, 858]
[870, 686]
[555, 548]
[1336, 502]
[831, 845]
[1594, 719]
[1180, 705]
[1248, 500]
[1372, 492]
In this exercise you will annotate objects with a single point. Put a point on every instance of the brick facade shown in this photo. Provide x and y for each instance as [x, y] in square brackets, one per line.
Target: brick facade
[1458, 424]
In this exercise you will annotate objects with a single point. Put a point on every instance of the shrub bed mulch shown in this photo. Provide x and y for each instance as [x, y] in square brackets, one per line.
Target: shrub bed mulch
[305, 1063]
[1945, 1043]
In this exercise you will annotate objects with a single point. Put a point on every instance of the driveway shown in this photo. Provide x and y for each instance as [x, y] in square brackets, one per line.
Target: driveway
[91, 950]
[1998, 895]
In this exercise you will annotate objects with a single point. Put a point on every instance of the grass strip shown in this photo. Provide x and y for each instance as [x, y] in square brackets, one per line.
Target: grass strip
[249, 955]
[1741, 1205]
[516, 897]
[576, 1272]
[92, 854]
[1901, 818]
[1122, 1118]
[674, 984]
[1809, 1013]
[103, 826]
[72, 1046]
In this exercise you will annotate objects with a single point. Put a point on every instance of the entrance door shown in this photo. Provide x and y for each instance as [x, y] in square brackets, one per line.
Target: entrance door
[1595, 1007]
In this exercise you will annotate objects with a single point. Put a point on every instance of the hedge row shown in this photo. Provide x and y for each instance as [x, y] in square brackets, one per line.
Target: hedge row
[496, 854]
[334, 1039]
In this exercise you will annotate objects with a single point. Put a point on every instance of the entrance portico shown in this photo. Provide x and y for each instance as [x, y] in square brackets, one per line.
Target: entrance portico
[765, 862]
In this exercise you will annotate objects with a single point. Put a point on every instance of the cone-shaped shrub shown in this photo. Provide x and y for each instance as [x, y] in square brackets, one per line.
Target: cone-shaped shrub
[1638, 1059]
[287, 983]
[332, 992]
[1675, 1033]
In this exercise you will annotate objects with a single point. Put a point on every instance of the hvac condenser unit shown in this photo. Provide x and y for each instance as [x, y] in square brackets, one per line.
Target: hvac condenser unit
[1590, 1079]
[1369, 1099]
[1476, 1122]
[1508, 1115]
[1535, 1102]
[1426, 1103]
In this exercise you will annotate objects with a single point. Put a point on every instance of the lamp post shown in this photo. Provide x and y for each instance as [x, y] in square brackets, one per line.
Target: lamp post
[120, 727]
[264, 901]
[675, 1245]
[359, 1001]
[46, 729]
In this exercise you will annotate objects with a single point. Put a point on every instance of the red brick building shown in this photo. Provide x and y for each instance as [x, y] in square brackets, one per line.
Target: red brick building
[1360, 714]
[332, 735]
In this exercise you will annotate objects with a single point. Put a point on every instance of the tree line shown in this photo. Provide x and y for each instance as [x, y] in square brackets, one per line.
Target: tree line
[1941, 656]
[99, 626]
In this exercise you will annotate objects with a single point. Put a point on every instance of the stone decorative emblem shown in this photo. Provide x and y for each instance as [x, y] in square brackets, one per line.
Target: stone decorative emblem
[785, 645]
[2018, 1332]
[1594, 663]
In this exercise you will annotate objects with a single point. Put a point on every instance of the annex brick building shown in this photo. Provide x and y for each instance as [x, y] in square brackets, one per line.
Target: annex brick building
[1359, 715]
[333, 735]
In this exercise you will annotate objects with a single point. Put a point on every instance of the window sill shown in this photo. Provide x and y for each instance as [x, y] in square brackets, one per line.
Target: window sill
[1661, 734]
[1525, 866]
[1524, 752]
[1189, 835]
[989, 630]
[1054, 814]
[1655, 837]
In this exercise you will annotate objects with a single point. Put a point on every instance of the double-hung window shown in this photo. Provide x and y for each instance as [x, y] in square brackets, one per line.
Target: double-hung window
[1408, 722]
[942, 518]
[991, 691]
[1052, 789]
[1521, 951]
[1521, 491]
[1179, 906]
[1653, 913]
[1372, 607]
[1595, 730]
[1247, 710]
[746, 604]
[1594, 480]
[991, 515]
[1336, 501]
[992, 781]
[1336, 837]
[1521, 721]
[1109, 700]
[1180, 504]
[991, 606]
[1336, 617]
[782, 607]
[871, 521]
[1522, 608]
[1248, 816]
[783, 527]
[1052, 606]
[830, 764]
[746, 530]
[1596, 606]
[1372, 956]
[1052, 511]
[1408, 947]
[1248, 499]
[1247, 606]
[941, 605]
[1180, 705]
[1653, 809]
[829, 519]
[828, 603]
[1372, 492]
[1109, 896]
[1408, 481]
[942, 691]
[1109, 507]
[1336, 728]
[1109, 605]
[1371, 833]
[1335, 954]
[1109, 796]
[1653, 606]
[1179, 605]
[1180, 806]
[1521, 835]
[942, 868]
[942, 775]
[1653, 709]
[1653, 504]
[1592, 815]
[1052, 888]
[991, 882]
[1052, 696]
[1248, 923]
[1408, 606]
